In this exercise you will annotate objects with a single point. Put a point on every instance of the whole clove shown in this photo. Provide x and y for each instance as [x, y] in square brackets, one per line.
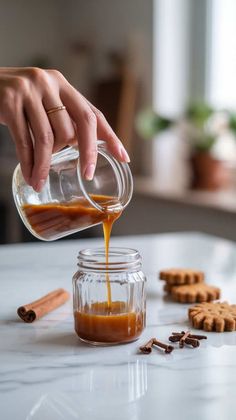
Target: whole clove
[186, 338]
[166, 347]
[197, 336]
[147, 348]
[183, 338]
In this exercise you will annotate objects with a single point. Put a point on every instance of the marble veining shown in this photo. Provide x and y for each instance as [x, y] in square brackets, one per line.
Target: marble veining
[46, 373]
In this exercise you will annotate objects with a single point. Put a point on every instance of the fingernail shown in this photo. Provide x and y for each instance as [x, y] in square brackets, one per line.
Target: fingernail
[40, 185]
[124, 155]
[89, 172]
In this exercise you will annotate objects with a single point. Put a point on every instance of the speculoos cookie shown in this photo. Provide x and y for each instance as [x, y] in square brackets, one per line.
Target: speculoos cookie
[213, 316]
[179, 276]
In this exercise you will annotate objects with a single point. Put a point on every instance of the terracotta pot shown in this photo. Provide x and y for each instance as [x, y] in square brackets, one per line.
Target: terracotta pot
[208, 173]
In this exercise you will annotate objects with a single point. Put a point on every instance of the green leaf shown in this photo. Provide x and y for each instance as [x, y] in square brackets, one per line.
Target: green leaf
[232, 122]
[198, 113]
[205, 144]
[149, 124]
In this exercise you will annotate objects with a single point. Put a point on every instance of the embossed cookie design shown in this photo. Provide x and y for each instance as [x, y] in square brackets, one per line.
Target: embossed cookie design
[218, 316]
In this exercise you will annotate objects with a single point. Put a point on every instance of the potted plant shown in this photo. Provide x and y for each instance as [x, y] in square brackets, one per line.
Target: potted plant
[201, 126]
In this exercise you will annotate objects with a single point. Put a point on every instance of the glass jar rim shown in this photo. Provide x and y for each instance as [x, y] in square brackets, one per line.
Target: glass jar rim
[120, 259]
[121, 170]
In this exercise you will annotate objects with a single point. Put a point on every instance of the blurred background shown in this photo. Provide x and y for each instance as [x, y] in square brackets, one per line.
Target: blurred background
[164, 74]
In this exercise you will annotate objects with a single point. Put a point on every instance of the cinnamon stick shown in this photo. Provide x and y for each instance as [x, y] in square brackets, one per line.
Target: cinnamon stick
[37, 309]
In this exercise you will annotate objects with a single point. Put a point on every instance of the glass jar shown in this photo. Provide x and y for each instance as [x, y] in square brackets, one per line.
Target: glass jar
[109, 299]
[67, 202]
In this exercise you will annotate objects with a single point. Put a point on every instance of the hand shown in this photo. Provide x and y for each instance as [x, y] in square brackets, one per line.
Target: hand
[26, 94]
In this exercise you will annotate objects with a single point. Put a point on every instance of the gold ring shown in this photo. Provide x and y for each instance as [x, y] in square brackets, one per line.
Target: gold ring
[57, 108]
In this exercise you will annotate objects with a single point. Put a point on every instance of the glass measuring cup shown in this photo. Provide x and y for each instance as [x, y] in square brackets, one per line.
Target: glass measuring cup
[69, 204]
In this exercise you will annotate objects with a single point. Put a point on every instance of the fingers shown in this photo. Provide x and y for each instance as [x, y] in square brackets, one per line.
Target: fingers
[86, 126]
[105, 132]
[60, 121]
[24, 148]
[37, 91]
[43, 142]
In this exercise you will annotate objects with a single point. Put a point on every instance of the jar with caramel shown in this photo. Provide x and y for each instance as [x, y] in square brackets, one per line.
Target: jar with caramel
[68, 203]
[109, 296]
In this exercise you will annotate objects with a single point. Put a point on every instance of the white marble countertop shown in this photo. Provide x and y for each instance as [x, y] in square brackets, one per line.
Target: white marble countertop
[46, 373]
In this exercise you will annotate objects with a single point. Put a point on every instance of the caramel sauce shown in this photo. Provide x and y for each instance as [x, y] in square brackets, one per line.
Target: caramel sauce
[50, 221]
[107, 228]
[102, 323]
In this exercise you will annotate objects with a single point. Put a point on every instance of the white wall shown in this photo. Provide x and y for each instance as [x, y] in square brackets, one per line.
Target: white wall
[112, 25]
[29, 29]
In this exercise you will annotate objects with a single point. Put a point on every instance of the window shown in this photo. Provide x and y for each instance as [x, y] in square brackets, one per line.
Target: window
[221, 68]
